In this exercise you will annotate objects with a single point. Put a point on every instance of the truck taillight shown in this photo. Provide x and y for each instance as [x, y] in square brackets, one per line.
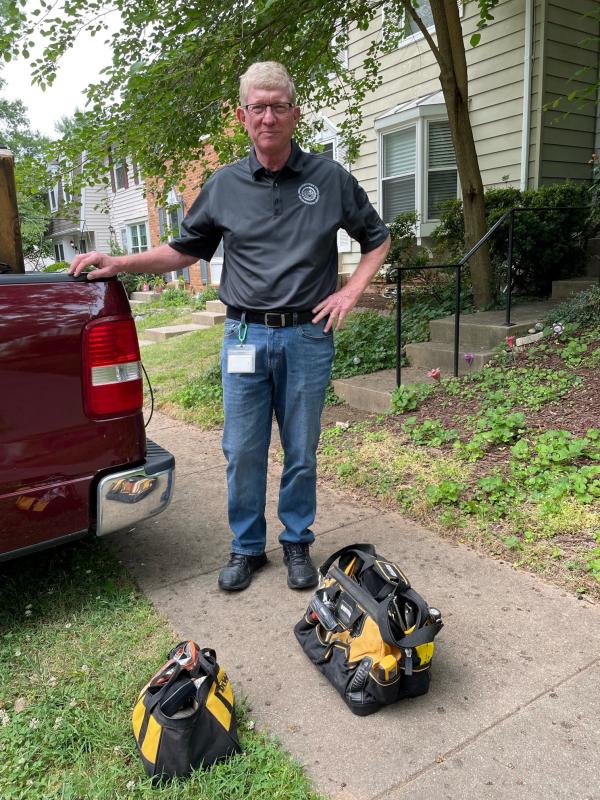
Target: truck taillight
[112, 369]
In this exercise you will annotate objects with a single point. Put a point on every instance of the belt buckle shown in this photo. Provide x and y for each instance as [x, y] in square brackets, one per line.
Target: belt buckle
[279, 317]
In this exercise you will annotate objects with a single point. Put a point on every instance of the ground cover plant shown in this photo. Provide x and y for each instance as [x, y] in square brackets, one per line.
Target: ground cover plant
[507, 459]
[77, 643]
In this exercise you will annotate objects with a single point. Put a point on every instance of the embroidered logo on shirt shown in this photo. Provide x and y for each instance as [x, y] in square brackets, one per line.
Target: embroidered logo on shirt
[309, 194]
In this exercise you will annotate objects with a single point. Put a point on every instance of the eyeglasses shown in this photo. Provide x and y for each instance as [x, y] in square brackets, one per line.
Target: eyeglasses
[258, 109]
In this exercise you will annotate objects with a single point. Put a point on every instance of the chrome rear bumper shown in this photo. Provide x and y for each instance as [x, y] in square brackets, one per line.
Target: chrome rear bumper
[127, 497]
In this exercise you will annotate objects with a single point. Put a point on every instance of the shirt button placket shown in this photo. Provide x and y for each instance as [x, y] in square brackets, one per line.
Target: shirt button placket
[276, 199]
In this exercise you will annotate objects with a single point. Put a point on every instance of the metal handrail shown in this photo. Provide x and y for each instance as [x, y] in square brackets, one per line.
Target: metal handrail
[510, 215]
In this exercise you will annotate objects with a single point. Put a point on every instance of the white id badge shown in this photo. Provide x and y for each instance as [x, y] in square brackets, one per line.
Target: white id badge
[241, 357]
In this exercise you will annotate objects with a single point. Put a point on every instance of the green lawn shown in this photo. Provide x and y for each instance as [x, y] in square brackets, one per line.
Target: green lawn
[178, 363]
[77, 643]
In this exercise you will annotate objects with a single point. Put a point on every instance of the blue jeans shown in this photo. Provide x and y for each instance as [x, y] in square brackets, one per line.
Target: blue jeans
[292, 370]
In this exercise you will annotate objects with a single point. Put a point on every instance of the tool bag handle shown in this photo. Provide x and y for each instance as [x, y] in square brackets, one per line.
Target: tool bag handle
[368, 556]
[378, 611]
[207, 659]
[422, 634]
[364, 551]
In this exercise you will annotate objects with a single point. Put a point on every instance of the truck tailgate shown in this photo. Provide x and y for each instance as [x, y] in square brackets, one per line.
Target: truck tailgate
[50, 451]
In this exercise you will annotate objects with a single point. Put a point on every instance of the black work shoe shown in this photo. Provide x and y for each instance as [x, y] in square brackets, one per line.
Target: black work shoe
[237, 574]
[302, 573]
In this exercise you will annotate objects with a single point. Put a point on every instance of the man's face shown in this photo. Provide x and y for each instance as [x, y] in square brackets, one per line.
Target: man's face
[270, 132]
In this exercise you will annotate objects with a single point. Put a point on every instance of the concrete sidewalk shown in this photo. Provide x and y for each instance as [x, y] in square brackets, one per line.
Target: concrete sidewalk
[514, 706]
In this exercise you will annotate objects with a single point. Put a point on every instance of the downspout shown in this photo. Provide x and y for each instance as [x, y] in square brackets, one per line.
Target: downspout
[527, 80]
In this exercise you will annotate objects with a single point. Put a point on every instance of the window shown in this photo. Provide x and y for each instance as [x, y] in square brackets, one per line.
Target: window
[138, 238]
[398, 179]
[82, 246]
[441, 168]
[328, 150]
[59, 251]
[417, 162]
[424, 11]
[399, 27]
[53, 198]
[404, 186]
[170, 218]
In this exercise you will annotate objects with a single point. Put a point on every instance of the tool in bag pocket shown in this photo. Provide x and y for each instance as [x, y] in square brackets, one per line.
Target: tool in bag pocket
[368, 631]
[184, 717]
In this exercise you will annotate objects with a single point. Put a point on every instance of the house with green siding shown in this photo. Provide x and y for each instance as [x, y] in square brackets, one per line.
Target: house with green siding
[533, 52]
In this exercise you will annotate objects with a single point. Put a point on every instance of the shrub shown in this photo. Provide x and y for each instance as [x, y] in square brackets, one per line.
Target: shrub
[547, 245]
[581, 310]
[175, 297]
[366, 343]
[60, 266]
[200, 299]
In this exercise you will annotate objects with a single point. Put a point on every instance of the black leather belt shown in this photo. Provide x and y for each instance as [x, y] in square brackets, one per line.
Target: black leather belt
[272, 319]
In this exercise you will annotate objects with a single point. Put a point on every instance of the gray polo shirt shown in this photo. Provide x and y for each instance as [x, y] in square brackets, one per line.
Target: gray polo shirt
[279, 230]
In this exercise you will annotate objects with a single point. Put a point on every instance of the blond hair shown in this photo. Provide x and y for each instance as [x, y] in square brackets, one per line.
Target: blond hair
[266, 75]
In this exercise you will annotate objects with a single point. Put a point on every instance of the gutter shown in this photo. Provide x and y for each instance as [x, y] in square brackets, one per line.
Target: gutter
[527, 81]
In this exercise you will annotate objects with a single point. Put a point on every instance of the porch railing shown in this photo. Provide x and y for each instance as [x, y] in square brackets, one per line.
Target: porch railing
[508, 215]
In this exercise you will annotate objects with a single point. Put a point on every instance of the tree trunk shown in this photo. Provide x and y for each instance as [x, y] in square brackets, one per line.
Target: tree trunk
[11, 252]
[451, 57]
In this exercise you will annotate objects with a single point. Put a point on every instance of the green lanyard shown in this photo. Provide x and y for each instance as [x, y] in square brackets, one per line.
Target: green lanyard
[243, 329]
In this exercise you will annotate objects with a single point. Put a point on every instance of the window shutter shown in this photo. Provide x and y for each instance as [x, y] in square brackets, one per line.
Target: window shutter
[161, 223]
[204, 271]
[124, 244]
[111, 170]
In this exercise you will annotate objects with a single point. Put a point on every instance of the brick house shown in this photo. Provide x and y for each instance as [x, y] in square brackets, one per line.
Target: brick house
[164, 222]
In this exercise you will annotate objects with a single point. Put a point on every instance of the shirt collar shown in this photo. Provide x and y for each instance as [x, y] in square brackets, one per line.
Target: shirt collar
[294, 163]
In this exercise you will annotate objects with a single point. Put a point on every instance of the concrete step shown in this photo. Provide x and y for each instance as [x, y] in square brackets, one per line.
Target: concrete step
[487, 329]
[208, 318]
[145, 297]
[216, 306]
[373, 392]
[428, 355]
[567, 288]
[138, 304]
[169, 331]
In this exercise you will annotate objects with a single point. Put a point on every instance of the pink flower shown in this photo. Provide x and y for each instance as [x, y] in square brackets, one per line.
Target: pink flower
[434, 373]
[510, 341]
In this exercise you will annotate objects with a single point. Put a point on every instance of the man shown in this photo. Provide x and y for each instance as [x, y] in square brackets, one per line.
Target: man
[278, 212]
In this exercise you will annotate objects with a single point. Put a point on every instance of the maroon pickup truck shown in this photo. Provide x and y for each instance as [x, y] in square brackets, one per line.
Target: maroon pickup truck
[74, 458]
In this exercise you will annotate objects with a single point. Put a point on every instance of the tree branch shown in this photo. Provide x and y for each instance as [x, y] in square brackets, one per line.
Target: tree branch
[410, 10]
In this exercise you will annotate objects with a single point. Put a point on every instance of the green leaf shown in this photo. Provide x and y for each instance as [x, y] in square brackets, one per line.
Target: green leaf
[475, 39]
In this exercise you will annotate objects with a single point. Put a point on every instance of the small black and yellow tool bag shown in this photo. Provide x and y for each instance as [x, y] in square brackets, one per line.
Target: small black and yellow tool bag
[368, 631]
[184, 717]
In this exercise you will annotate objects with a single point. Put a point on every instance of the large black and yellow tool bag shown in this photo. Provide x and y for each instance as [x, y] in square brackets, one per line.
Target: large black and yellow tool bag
[184, 717]
[368, 631]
